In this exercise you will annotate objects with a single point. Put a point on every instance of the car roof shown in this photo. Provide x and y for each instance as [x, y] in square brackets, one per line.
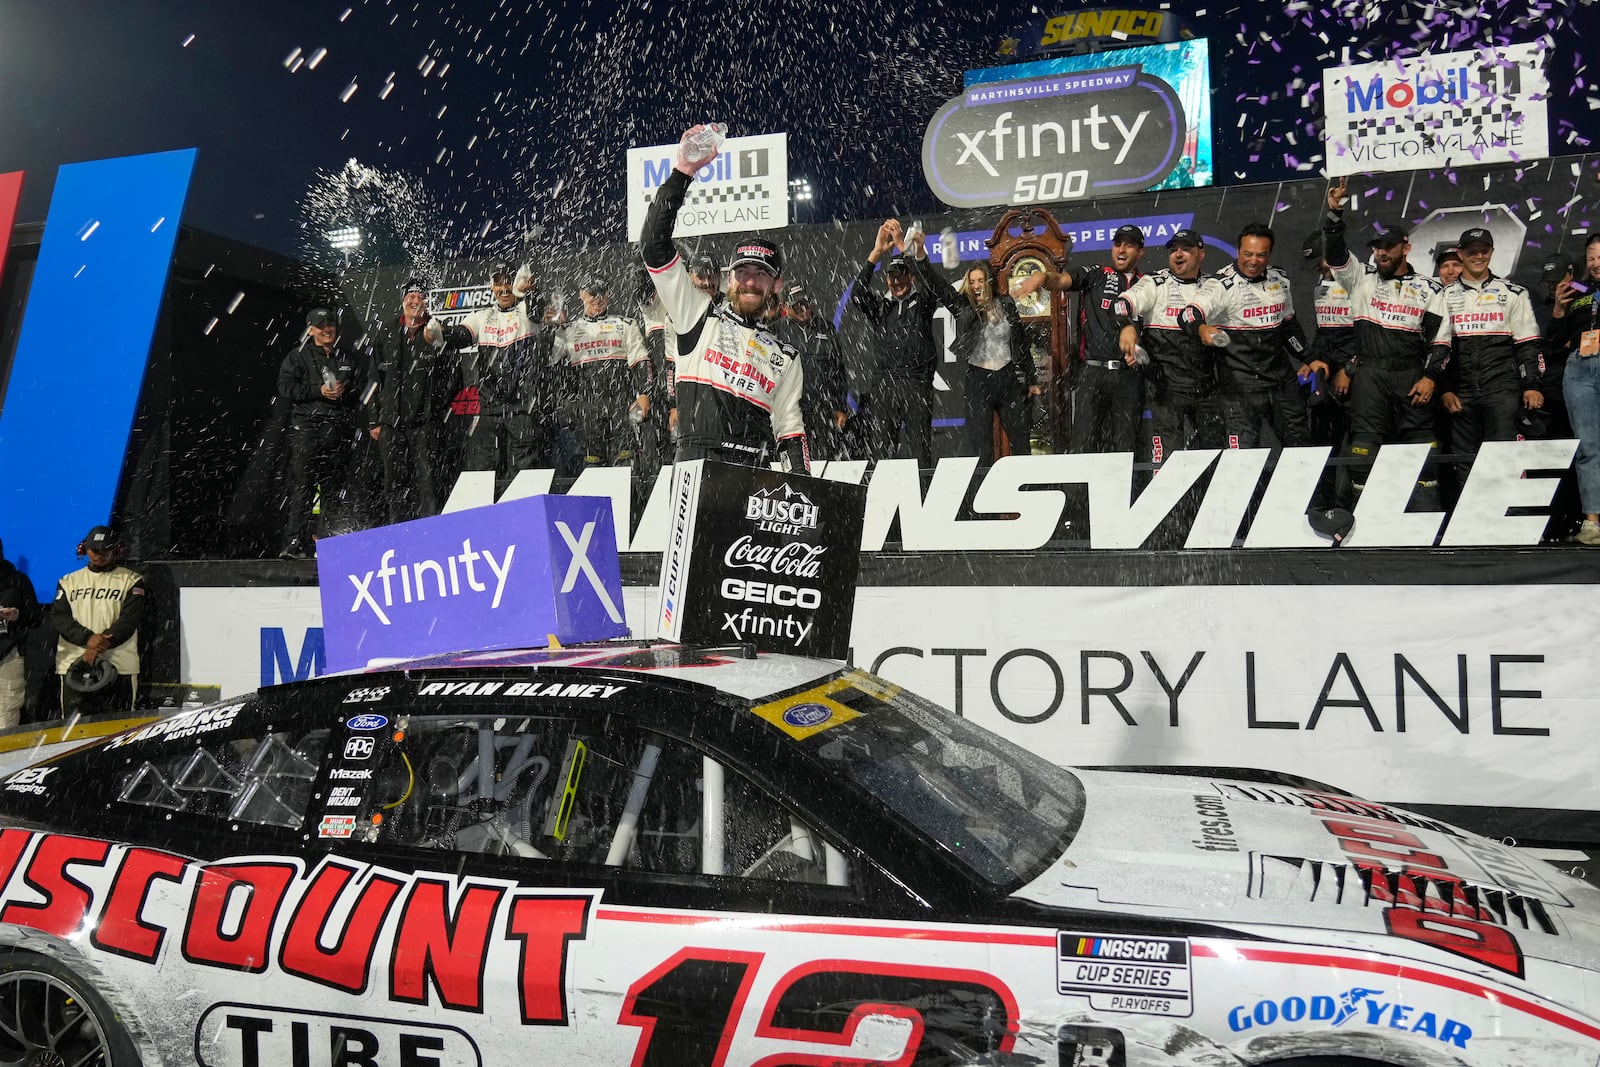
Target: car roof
[735, 670]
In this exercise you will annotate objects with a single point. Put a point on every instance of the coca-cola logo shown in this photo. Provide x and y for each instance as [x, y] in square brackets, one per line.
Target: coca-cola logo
[793, 560]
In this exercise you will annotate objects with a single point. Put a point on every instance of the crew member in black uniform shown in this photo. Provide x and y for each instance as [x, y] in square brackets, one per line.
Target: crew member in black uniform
[96, 615]
[823, 404]
[1402, 344]
[323, 380]
[513, 429]
[414, 381]
[993, 343]
[19, 612]
[902, 330]
[1496, 367]
[738, 385]
[1250, 302]
[1332, 345]
[611, 377]
[1185, 409]
[1105, 401]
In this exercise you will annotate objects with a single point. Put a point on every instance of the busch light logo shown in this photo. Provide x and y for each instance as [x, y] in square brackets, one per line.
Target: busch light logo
[367, 722]
[782, 509]
[1358, 1006]
[803, 715]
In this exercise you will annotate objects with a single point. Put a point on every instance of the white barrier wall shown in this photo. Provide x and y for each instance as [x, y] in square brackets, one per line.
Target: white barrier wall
[1437, 694]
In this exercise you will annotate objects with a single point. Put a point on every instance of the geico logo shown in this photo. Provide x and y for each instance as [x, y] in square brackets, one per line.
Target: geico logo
[786, 596]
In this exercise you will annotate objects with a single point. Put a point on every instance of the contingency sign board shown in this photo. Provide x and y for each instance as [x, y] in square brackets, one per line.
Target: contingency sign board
[1482, 106]
[760, 557]
[745, 188]
[1074, 127]
[506, 576]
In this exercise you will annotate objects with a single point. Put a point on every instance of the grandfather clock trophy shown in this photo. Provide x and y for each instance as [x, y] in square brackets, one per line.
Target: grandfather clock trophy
[1040, 246]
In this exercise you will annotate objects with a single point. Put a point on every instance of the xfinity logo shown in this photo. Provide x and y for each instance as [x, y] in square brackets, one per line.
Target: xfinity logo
[1085, 133]
[580, 564]
[428, 575]
[747, 624]
[781, 509]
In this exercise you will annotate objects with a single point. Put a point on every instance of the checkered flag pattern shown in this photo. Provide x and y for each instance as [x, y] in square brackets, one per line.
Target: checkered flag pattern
[1474, 116]
[727, 194]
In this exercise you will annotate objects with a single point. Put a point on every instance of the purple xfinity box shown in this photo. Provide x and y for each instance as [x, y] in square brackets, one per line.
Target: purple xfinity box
[509, 575]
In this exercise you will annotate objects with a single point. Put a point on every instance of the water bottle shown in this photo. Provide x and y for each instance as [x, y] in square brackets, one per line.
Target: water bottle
[949, 254]
[1219, 339]
[329, 379]
[1140, 356]
[704, 142]
[635, 413]
[911, 235]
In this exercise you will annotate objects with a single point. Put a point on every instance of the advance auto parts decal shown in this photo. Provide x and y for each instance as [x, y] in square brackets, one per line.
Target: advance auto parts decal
[1059, 137]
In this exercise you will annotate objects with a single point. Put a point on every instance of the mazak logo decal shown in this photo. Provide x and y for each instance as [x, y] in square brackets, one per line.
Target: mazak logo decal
[1357, 1006]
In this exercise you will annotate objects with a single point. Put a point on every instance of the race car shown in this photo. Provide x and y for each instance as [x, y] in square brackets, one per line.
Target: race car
[653, 854]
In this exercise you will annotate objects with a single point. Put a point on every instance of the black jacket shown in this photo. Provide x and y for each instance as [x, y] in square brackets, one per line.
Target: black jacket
[969, 330]
[818, 345]
[903, 329]
[415, 380]
[305, 370]
[16, 591]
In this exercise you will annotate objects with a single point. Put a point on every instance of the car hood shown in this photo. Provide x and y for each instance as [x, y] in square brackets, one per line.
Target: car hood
[1235, 852]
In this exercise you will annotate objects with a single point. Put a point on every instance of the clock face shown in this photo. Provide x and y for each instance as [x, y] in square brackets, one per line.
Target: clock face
[1036, 303]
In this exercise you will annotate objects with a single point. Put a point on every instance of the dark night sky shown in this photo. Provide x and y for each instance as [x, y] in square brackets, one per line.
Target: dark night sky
[540, 101]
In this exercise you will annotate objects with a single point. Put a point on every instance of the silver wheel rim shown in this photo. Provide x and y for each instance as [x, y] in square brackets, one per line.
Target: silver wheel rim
[44, 1022]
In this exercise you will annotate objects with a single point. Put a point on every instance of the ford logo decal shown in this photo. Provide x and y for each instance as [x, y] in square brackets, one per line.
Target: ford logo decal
[367, 722]
[807, 715]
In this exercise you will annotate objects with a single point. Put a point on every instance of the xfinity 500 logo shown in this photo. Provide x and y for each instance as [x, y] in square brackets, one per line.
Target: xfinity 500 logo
[1057, 137]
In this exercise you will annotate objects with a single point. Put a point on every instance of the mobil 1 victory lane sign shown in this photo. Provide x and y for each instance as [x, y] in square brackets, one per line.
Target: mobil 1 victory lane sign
[745, 188]
[509, 575]
[760, 557]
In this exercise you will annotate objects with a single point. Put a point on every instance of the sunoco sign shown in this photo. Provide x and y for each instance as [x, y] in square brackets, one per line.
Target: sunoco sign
[1068, 134]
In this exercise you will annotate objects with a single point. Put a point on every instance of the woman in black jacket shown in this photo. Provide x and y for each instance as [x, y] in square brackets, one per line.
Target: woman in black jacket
[993, 343]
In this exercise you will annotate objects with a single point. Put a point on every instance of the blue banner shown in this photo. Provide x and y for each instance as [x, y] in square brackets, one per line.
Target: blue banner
[82, 352]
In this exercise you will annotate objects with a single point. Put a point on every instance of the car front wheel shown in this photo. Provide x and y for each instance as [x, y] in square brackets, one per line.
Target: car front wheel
[49, 1015]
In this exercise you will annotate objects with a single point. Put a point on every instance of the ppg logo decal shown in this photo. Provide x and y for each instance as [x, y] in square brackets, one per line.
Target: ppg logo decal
[367, 722]
[807, 715]
[358, 747]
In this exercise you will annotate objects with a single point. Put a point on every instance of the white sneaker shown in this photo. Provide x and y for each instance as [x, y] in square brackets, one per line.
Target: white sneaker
[1589, 533]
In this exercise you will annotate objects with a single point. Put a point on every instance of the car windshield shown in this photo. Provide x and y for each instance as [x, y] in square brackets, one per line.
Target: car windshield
[999, 810]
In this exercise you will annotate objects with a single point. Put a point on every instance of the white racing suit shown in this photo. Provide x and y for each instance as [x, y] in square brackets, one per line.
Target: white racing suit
[611, 369]
[738, 386]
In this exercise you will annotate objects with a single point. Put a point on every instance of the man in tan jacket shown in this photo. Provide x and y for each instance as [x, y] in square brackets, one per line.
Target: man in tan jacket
[96, 613]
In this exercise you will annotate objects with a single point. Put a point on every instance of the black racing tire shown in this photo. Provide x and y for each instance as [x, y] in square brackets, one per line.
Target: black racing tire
[46, 1009]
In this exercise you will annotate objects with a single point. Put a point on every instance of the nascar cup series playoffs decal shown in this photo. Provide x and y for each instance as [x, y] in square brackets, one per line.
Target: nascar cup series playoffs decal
[1139, 975]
